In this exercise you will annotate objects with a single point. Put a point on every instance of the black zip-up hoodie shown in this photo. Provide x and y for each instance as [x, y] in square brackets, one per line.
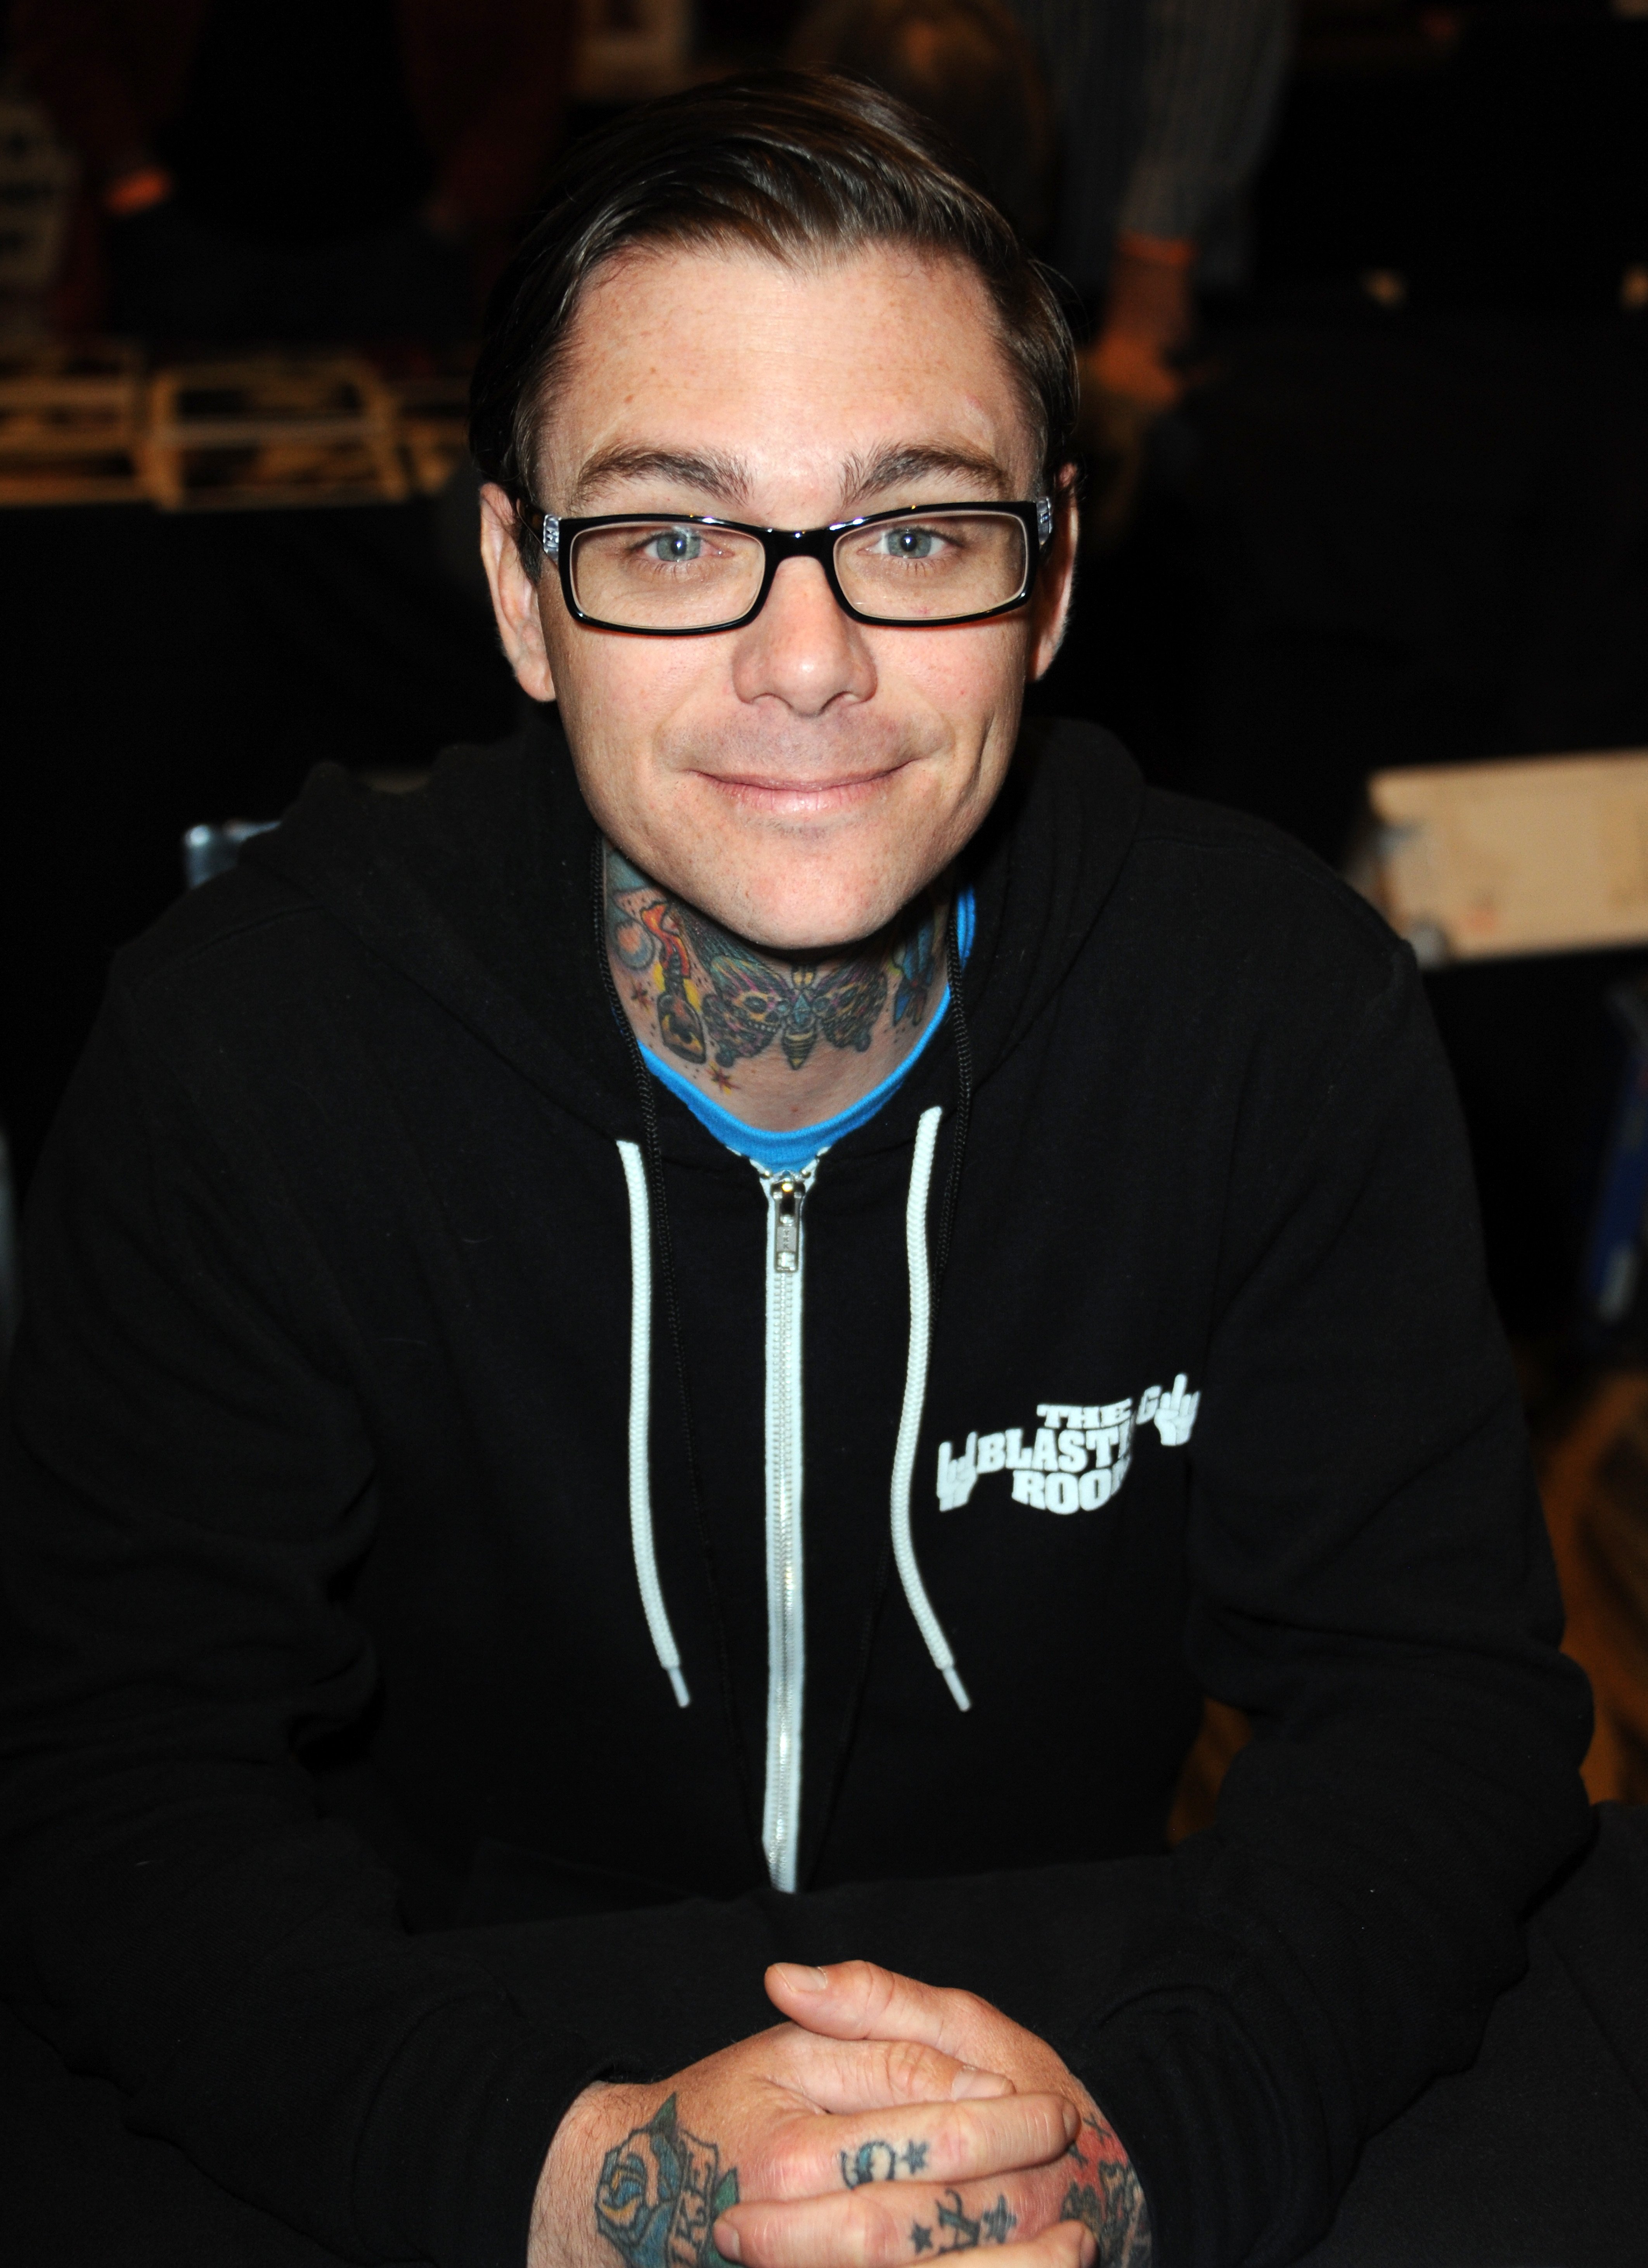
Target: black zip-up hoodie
[342, 1443]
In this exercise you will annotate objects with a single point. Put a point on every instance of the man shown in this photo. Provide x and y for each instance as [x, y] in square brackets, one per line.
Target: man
[1166, 108]
[687, 1351]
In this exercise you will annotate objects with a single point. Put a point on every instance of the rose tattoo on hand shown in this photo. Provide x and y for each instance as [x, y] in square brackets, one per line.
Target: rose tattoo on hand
[660, 2193]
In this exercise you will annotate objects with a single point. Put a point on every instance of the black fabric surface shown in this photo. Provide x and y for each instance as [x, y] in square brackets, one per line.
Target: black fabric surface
[229, 652]
[320, 1416]
[1535, 2157]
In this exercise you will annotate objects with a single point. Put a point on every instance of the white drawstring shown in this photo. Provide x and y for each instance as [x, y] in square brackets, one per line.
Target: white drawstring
[910, 1422]
[915, 1396]
[640, 1466]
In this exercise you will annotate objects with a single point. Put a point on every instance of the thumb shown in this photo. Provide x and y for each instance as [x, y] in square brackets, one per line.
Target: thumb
[856, 2000]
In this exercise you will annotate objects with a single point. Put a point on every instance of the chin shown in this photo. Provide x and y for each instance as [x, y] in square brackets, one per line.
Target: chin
[787, 913]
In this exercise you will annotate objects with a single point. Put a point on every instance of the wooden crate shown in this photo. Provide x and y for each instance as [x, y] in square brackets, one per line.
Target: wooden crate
[1595, 1484]
[432, 420]
[262, 430]
[71, 426]
[1534, 854]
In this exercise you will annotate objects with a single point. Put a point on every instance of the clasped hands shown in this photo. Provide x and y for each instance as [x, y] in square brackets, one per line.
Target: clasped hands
[885, 2120]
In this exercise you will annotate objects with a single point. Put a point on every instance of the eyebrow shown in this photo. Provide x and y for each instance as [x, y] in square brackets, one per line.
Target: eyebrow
[727, 479]
[896, 466]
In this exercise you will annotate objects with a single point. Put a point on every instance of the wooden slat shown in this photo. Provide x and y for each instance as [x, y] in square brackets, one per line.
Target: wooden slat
[84, 425]
[69, 422]
[309, 430]
[1594, 1481]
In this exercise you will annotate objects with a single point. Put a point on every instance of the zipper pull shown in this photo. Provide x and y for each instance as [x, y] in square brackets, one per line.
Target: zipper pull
[788, 1194]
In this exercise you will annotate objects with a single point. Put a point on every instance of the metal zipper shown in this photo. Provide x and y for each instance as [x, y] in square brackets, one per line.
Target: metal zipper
[786, 1628]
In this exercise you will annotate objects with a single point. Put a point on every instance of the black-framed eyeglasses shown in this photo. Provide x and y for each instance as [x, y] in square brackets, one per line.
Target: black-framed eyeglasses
[684, 574]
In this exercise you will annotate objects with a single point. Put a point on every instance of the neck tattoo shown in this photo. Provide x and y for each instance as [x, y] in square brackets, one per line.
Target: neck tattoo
[716, 1003]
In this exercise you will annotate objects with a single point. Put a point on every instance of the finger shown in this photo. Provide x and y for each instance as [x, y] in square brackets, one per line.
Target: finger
[934, 2142]
[1067, 2245]
[844, 2075]
[856, 2000]
[887, 2224]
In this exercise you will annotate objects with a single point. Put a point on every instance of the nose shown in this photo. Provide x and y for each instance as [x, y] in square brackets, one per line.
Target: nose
[801, 648]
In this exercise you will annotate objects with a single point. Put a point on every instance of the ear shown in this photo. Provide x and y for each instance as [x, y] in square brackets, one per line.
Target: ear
[515, 596]
[1056, 582]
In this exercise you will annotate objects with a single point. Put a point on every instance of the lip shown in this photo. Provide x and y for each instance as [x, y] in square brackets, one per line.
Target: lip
[808, 796]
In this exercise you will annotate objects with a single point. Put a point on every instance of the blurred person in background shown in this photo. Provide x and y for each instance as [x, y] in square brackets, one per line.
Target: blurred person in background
[1165, 106]
[1119, 136]
[968, 65]
[322, 169]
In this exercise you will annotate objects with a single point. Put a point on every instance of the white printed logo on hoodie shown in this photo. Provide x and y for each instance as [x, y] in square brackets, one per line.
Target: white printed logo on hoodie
[1075, 1459]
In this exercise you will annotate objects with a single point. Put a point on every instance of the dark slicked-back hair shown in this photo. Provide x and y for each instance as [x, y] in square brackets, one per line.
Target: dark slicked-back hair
[803, 166]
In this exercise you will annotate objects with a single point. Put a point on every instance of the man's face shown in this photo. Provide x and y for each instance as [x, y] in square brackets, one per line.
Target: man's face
[802, 778]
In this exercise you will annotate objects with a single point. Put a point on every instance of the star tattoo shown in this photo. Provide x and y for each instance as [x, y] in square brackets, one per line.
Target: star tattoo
[997, 2225]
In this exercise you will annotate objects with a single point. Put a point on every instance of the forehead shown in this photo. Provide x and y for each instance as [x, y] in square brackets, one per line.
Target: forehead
[792, 369]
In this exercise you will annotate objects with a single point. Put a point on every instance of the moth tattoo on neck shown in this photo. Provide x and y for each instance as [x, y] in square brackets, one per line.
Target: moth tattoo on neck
[718, 1003]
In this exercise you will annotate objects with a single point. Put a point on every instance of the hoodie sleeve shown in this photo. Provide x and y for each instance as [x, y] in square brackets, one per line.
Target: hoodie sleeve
[185, 1494]
[1371, 1582]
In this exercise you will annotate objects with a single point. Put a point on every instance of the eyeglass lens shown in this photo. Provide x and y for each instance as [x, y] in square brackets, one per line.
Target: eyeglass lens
[662, 574]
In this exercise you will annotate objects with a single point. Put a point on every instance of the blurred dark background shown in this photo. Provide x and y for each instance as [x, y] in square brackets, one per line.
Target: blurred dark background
[1365, 418]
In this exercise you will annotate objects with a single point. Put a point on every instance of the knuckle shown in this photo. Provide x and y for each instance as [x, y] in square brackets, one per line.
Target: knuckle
[954, 2138]
[775, 2171]
[872, 2239]
[878, 1985]
[913, 2068]
[851, 1981]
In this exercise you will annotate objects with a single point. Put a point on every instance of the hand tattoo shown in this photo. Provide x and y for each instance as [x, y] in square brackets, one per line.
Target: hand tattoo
[713, 996]
[660, 2193]
[1105, 2194]
[966, 2234]
[879, 2161]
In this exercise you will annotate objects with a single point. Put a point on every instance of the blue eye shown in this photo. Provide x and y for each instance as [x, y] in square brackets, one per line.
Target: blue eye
[911, 543]
[673, 545]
